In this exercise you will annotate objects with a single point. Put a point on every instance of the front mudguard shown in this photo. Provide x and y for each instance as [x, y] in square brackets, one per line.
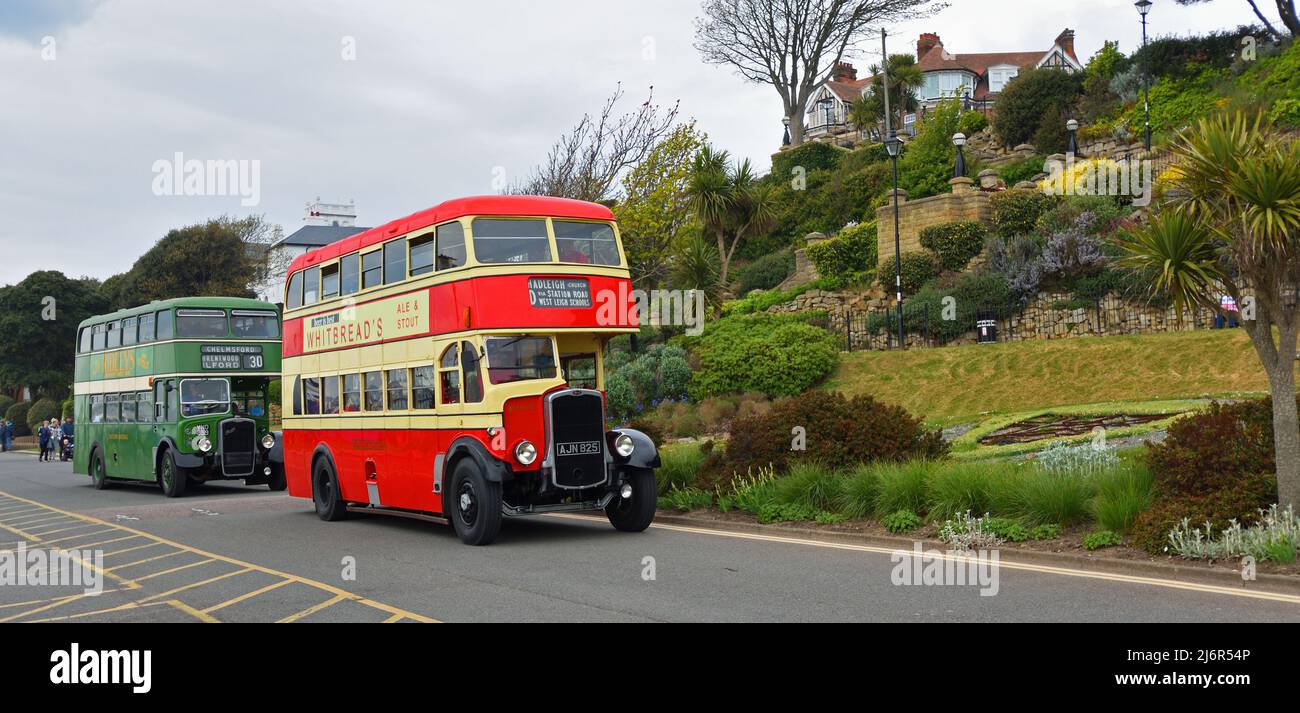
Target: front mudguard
[645, 454]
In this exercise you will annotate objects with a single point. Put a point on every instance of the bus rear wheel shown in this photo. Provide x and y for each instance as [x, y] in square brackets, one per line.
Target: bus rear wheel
[325, 492]
[170, 477]
[635, 514]
[475, 504]
[98, 473]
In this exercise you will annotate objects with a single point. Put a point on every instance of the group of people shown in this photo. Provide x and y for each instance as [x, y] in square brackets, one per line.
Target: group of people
[54, 436]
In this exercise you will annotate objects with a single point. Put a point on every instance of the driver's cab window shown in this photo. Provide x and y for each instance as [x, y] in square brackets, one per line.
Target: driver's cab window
[580, 371]
[460, 378]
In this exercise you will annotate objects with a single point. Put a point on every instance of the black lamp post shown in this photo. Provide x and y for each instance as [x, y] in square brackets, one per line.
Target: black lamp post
[1072, 128]
[959, 140]
[894, 145]
[824, 105]
[1143, 7]
[786, 140]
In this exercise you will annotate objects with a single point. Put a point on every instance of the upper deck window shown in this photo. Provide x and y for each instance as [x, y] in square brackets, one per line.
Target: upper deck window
[254, 324]
[588, 243]
[147, 329]
[511, 241]
[394, 261]
[372, 269]
[114, 335]
[451, 246]
[293, 300]
[100, 340]
[350, 267]
[166, 325]
[311, 286]
[87, 334]
[329, 282]
[129, 333]
[202, 324]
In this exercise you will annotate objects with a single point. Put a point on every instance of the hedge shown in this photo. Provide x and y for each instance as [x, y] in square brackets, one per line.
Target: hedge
[777, 355]
[18, 415]
[1016, 211]
[848, 254]
[766, 272]
[5, 403]
[811, 156]
[42, 411]
[954, 244]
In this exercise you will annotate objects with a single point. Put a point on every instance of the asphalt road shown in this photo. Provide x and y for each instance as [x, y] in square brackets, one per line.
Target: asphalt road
[228, 552]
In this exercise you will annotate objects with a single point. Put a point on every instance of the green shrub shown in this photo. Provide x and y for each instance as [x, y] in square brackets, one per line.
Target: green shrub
[777, 355]
[811, 156]
[1007, 529]
[766, 272]
[620, 399]
[688, 499]
[858, 494]
[1024, 101]
[1214, 449]
[785, 512]
[850, 253]
[1242, 503]
[811, 485]
[1053, 497]
[926, 165]
[955, 488]
[829, 518]
[680, 467]
[972, 122]
[1051, 136]
[1022, 170]
[1286, 113]
[954, 244]
[902, 486]
[901, 521]
[1049, 531]
[17, 413]
[5, 403]
[839, 430]
[660, 373]
[42, 411]
[1016, 210]
[1100, 539]
[919, 268]
[1122, 494]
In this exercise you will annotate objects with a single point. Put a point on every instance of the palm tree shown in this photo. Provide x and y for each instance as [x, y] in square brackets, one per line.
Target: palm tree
[731, 202]
[1232, 227]
[905, 78]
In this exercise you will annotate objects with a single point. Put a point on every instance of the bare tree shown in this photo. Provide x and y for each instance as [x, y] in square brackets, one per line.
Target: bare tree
[1285, 10]
[793, 45]
[587, 162]
[269, 263]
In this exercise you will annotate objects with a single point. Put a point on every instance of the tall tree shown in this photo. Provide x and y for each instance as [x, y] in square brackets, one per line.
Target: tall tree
[1285, 9]
[793, 45]
[1233, 227]
[587, 163]
[730, 201]
[656, 208]
[210, 259]
[39, 318]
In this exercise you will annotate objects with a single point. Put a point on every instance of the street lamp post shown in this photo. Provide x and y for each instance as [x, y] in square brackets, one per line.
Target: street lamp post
[786, 140]
[1072, 128]
[893, 145]
[959, 140]
[1143, 7]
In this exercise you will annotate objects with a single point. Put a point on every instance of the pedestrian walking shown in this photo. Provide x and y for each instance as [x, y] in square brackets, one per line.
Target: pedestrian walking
[56, 440]
[4, 433]
[43, 438]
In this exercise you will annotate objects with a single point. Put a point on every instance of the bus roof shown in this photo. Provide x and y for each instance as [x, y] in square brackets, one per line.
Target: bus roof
[540, 206]
[198, 302]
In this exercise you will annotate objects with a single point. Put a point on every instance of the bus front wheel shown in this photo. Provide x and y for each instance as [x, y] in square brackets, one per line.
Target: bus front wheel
[98, 473]
[635, 513]
[170, 477]
[325, 492]
[475, 504]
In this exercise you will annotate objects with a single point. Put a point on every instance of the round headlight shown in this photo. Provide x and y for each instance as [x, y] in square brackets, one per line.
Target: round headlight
[203, 444]
[624, 445]
[268, 441]
[525, 453]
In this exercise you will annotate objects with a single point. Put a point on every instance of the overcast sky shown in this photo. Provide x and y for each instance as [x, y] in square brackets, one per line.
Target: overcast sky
[440, 99]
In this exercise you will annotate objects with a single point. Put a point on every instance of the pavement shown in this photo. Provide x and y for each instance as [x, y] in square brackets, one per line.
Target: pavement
[229, 552]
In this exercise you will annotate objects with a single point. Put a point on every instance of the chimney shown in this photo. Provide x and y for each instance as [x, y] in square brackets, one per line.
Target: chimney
[927, 42]
[844, 72]
[1066, 41]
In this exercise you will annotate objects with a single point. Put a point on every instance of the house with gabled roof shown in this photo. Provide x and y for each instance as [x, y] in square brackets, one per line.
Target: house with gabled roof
[976, 78]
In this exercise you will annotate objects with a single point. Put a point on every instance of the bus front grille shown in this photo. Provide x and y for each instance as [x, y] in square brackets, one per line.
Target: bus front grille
[577, 438]
[238, 447]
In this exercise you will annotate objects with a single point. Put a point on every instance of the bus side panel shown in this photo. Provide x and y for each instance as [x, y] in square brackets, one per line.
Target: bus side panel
[298, 448]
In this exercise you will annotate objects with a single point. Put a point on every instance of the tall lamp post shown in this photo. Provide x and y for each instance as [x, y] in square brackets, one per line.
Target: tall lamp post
[893, 145]
[1143, 7]
[786, 140]
[959, 140]
[1072, 146]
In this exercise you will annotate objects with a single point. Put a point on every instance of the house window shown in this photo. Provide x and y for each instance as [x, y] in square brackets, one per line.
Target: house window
[999, 76]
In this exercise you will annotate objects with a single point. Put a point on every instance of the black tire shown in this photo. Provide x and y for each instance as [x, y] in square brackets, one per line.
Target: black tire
[98, 473]
[635, 514]
[325, 492]
[172, 478]
[277, 482]
[474, 504]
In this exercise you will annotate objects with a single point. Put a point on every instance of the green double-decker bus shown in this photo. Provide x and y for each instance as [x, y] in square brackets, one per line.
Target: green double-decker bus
[176, 393]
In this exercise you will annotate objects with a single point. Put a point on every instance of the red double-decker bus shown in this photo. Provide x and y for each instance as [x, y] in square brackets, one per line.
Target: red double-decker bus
[448, 366]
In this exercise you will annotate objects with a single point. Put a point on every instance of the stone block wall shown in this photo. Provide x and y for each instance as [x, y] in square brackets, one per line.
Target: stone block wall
[963, 204]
